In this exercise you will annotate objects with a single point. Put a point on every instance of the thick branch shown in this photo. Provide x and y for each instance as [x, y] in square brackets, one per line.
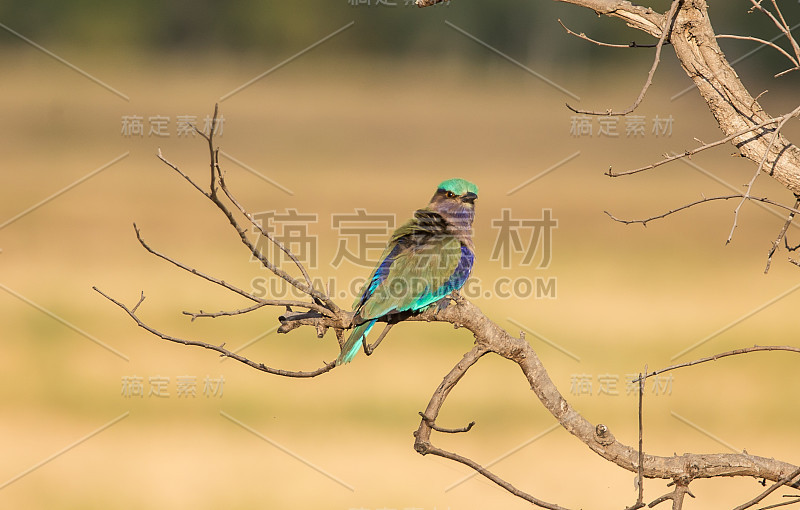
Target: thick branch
[729, 101]
[490, 337]
[423, 445]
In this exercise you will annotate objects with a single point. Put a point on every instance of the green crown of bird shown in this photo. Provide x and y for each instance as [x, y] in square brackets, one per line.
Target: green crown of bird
[427, 258]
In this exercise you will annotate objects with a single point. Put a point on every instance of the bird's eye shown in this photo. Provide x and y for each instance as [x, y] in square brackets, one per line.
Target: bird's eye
[450, 194]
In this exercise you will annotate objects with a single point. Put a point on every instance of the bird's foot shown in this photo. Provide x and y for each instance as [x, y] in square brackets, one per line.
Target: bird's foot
[443, 303]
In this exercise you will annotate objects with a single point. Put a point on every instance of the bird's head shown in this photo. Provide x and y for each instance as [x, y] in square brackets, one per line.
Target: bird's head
[456, 192]
[455, 200]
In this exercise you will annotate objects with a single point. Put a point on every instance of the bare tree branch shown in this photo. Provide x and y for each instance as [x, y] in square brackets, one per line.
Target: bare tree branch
[632, 44]
[219, 348]
[424, 446]
[728, 100]
[437, 428]
[715, 357]
[230, 287]
[640, 463]
[703, 200]
[226, 313]
[749, 186]
[665, 31]
[262, 231]
[217, 182]
[792, 59]
[703, 147]
[677, 495]
[782, 26]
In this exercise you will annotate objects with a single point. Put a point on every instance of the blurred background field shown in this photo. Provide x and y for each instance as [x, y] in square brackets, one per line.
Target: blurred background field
[372, 119]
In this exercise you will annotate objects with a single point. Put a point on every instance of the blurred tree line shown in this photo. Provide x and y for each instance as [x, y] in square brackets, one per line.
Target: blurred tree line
[525, 29]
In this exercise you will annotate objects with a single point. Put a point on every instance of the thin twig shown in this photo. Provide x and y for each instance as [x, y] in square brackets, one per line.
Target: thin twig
[219, 348]
[781, 24]
[707, 146]
[735, 352]
[781, 234]
[785, 503]
[632, 44]
[223, 283]
[752, 181]
[640, 467]
[493, 477]
[217, 180]
[665, 31]
[213, 155]
[224, 313]
[432, 424]
[180, 172]
[698, 202]
[136, 306]
[760, 41]
[640, 499]
[772, 488]
[263, 232]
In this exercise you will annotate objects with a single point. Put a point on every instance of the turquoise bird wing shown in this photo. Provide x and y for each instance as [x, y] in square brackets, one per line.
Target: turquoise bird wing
[417, 276]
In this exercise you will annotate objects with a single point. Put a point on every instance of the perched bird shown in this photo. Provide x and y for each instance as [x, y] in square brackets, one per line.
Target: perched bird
[426, 259]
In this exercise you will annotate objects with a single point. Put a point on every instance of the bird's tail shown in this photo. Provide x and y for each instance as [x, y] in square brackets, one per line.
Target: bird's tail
[355, 342]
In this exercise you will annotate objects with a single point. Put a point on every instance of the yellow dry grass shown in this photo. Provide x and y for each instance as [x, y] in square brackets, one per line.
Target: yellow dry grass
[349, 134]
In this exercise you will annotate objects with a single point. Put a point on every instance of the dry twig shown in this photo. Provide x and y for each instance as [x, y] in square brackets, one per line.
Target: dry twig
[782, 235]
[665, 31]
[703, 200]
[632, 44]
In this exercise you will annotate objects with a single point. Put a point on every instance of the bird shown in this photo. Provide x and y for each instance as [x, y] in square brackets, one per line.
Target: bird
[426, 259]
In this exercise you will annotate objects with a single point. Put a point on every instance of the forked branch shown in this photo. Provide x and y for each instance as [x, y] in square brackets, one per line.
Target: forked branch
[490, 338]
[322, 314]
[218, 348]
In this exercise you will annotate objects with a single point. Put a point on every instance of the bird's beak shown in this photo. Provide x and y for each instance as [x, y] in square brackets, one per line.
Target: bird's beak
[469, 197]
